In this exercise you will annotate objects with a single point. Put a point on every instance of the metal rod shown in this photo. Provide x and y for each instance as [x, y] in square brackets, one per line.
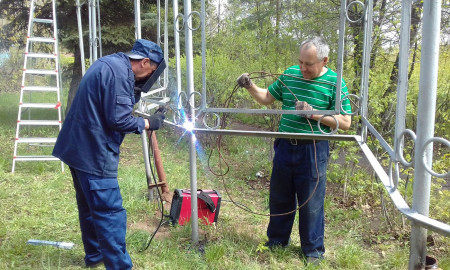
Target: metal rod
[137, 18]
[203, 15]
[425, 126]
[190, 89]
[266, 111]
[340, 56]
[402, 85]
[364, 88]
[99, 30]
[80, 39]
[94, 30]
[177, 51]
[90, 32]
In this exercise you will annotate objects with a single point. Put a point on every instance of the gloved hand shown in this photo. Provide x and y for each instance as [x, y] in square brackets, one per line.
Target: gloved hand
[156, 120]
[244, 81]
[304, 106]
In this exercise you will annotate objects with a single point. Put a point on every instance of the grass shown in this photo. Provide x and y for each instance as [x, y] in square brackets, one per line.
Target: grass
[38, 202]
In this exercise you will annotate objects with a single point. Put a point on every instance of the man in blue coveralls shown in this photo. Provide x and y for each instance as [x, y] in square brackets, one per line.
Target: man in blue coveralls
[89, 142]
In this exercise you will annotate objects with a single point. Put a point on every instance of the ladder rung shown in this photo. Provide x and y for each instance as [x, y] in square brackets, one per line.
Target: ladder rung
[35, 158]
[40, 71]
[40, 88]
[40, 105]
[36, 140]
[41, 55]
[39, 122]
[42, 39]
[42, 20]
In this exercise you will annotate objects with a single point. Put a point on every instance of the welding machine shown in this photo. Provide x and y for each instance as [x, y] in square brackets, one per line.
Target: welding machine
[208, 203]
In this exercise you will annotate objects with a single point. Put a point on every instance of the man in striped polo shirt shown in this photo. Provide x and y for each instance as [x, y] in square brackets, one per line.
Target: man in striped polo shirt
[299, 166]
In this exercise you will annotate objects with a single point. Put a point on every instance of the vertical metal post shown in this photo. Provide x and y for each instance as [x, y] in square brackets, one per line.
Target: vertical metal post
[80, 38]
[402, 85]
[425, 127]
[90, 32]
[137, 18]
[340, 56]
[158, 22]
[203, 15]
[93, 30]
[144, 139]
[177, 50]
[99, 39]
[364, 88]
[190, 90]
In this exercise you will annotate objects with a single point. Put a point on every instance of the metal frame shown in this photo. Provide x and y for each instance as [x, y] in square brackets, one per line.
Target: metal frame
[418, 213]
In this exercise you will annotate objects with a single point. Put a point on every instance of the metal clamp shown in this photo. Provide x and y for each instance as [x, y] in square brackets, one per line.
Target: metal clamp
[429, 169]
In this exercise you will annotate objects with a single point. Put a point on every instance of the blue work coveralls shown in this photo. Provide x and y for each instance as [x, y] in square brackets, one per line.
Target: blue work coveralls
[89, 142]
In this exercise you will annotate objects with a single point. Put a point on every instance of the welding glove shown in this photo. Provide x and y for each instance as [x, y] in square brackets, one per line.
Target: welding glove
[244, 81]
[156, 120]
[303, 106]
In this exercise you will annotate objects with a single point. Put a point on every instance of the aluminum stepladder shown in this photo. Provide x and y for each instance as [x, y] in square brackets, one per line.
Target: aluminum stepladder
[40, 95]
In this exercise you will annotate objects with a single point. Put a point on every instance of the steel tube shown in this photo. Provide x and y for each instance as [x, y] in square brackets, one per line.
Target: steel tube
[80, 38]
[402, 85]
[425, 126]
[364, 88]
[177, 51]
[190, 89]
[137, 18]
[340, 56]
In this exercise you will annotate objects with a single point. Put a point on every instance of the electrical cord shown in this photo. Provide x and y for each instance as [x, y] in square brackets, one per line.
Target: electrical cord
[221, 158]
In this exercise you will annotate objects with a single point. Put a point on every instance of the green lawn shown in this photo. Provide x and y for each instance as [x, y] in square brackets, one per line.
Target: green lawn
[38, 202]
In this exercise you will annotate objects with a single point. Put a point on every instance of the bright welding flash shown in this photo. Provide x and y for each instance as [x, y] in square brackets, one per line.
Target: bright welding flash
[189, 126]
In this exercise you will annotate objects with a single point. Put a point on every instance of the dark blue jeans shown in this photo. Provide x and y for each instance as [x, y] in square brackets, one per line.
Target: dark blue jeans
[103, 220]
[294, 177]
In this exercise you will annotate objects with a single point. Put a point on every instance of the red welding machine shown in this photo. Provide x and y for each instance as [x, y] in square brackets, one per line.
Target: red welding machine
[208, 204]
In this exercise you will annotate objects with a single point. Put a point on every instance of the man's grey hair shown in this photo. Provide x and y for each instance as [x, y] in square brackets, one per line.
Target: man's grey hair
[322, 47]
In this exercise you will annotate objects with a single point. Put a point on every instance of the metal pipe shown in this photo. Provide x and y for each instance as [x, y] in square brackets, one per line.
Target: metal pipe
[340, 56]
[137, 23]
[80, 38]
[364, 88]
[99, 30]
[203, 15]
[177, 51]
[402, 85]
[90, 32]
[190, 89]
[425, 126]
[137, 18]
[158, 22]
[146, 161]
[94, 30]
[166, 45]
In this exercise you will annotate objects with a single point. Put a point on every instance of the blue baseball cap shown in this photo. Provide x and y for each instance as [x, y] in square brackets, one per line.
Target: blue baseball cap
[143, 48]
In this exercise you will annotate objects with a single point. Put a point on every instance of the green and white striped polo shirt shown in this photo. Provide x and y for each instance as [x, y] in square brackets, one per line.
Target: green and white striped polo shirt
[319, 93]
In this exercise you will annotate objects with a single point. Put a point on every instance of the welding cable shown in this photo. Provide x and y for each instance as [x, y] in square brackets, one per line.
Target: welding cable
[221, 158]
[160, 202]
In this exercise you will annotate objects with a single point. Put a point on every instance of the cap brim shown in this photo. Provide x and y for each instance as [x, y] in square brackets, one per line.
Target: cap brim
[134, 56]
